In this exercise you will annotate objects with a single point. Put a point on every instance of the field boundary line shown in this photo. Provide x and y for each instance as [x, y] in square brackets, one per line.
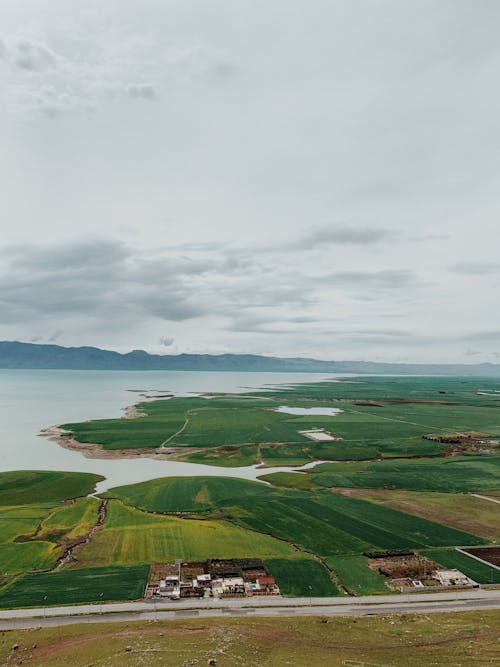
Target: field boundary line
[492, 500]
[484, 562]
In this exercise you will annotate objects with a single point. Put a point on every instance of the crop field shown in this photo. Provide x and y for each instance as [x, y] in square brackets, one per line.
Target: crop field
[76, 586]
[32, 533]
[302, 577]
[27, 487]
[72, 520]
[380, 418]
[458, 510]
[480, 572]
[187, 494]
[354, 574]
[396, 489]
[131, 536]
[458, 474]
[322, 523]
[291, 480]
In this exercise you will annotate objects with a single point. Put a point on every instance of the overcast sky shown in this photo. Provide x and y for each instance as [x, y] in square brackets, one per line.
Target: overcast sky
[288, 177]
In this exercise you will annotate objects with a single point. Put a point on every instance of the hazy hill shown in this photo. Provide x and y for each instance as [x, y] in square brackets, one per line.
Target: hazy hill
[14, 354]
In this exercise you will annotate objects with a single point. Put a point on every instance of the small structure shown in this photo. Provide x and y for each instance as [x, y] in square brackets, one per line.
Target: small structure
[319, 435]
[453, 578]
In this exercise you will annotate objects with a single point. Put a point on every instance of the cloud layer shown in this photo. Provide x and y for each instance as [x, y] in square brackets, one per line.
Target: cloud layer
[309, 178]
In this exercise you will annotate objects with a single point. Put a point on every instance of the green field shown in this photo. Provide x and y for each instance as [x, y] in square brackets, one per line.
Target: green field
[76, 586]
[452, 475]
[131, 536]
[482, 573]
[357, 578]
[38, 517]
[379, 448]
[72, 520]
[28, 487]
[302, 577]
[188, 494]
[323, 523]
[458, 510]
[380, 418]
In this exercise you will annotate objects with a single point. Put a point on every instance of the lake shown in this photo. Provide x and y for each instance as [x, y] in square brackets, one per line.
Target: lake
[34, 399]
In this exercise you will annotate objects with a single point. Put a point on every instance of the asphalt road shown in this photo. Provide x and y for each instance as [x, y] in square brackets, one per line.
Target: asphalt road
[147, 611]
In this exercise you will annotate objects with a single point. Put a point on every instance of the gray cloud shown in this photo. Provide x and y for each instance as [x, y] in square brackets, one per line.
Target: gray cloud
[387, 279]
[476, 268]
[247, 192]
[343, 234]
[32, 56]
[142, 90]
[166, 341]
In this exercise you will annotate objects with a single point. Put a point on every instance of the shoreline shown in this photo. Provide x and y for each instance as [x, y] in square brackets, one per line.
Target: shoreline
[91, 450]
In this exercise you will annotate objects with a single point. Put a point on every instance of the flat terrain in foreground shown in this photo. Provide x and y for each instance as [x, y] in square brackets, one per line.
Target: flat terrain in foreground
[470, 638]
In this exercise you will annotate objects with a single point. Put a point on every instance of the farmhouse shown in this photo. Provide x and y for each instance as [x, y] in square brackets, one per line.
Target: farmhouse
[214, 578]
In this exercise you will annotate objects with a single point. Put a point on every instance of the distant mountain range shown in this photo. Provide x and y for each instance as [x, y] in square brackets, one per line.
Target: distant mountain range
[14, 354]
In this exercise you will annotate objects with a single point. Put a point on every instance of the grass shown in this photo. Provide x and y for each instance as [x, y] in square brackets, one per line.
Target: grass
[291, 480]
[302, 577]
[72, 520]
[356, 576]
[26, 487]
[465, 638]
[480, 572]
[28, 556]
[131, 536]
[76, 586]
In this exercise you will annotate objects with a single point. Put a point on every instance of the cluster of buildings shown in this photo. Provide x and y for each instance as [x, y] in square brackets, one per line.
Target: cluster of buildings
[213, 578]
[408, 572]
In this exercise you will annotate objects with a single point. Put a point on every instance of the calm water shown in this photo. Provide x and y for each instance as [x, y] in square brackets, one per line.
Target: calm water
[327, 412]
[31, 400]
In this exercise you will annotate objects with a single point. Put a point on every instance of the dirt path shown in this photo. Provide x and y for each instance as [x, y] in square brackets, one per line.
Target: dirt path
[68, 554]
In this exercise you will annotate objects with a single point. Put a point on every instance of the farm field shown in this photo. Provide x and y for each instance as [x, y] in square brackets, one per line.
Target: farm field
[457, 474]
[72, 587]
[27, 487]
[480, 572]
[302, 577]
[187, 494]
[458, 510]
[379, 418]
[130, 536]
[382, 487]
[323, 523]
[32, 534]
[471, 638]
[356, 576]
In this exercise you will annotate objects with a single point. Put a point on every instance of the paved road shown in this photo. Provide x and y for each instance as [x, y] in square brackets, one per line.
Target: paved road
[147, 611]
